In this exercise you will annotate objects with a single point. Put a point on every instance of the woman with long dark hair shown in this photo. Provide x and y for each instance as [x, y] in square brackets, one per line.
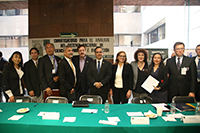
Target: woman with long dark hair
[140, 72]
[121, 81]
[159, 72]
[12, 77]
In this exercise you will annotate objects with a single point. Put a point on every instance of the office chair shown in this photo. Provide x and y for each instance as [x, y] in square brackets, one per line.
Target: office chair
[95, 99]
[142, 100]
[23, 99]
[56, 99]
[55, 92]
[183, 99]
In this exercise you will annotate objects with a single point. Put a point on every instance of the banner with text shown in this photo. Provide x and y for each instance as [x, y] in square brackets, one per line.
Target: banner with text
[60, 43]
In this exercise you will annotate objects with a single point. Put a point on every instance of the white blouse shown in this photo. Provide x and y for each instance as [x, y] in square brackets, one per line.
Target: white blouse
[118, 77]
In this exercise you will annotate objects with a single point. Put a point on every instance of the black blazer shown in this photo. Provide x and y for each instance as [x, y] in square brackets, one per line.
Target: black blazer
[82, 81]
[127, 77]
[31, 77]
[11, 81]
[104, 76]
[162, 78]
[66, 78]
[45, 72]
[182, 84]
[2, 64]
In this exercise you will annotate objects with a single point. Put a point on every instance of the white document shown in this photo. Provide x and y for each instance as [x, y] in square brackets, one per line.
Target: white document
[149, 83]
[161, 105]
[177, 115]
[113, 119]
[134, 113]
[15, 117]
[55, 101]
[41, 114]
[69, 119]
[108, 122]
[90, 99]
[140, 120]
[89, 110]
[191, 119]
[19, 101]
[51, 116]
[169, 118]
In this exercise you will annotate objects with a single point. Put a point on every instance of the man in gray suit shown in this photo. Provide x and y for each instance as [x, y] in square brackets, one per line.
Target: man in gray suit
[99, 74]
[182, 73]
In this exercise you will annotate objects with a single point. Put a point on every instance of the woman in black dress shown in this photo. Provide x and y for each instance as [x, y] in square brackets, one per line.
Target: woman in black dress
[159, 72]
[140, 72]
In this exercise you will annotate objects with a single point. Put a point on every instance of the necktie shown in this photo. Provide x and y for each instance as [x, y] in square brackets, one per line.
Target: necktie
[72, 70]
[36, 63]
[52, 61]
[198, 70]
[178, 64]
[98, 67]
[71, 65]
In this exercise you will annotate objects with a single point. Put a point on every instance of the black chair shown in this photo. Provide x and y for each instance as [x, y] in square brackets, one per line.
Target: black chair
[183, 99]
[142, 100]
[56, 99]
[23, 99]
[95, 99]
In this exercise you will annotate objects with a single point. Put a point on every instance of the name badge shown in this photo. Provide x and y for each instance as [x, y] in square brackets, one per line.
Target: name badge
[53, 71]
[183, 71]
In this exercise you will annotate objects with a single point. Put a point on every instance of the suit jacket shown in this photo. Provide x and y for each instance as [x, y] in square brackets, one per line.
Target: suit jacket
[181, 84]
[2, 63]
[104, 76]
[134, 65]
[11, 81]
[45, 72]
[162, 78]
[127, 77]
[31, 77]
[82, 82]
[67, 79]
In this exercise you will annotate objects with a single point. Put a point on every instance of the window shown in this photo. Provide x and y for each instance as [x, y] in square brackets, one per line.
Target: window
[127, 40]
[127, 9]
[157, 34]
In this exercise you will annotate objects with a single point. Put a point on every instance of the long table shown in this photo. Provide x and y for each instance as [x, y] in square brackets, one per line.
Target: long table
[86, 122]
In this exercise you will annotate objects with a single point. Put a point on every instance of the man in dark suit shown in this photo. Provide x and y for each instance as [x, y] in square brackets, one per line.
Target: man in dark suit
[67, 75]
[182, 73]
[81, 62]
[197, 62]
[47, 68]
[31, 77]
[99, 74]
[2, 63]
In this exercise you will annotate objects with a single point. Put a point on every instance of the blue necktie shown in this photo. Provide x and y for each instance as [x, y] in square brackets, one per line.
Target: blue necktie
[178, 64]
[98, 67]
[198, 70]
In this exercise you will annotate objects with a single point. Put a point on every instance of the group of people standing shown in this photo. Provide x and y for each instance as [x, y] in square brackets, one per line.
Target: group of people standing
[78, 75]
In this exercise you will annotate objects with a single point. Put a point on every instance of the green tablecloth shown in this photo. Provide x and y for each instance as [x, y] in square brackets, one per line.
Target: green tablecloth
[86, 122]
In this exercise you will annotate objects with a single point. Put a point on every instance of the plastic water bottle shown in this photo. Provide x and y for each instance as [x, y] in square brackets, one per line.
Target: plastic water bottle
[197, 109]
[173, 109]
[106, 109]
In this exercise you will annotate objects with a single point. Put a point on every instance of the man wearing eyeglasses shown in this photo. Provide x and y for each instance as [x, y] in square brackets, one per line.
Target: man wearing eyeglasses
[182, 73]
[99, 74]
[197, 61]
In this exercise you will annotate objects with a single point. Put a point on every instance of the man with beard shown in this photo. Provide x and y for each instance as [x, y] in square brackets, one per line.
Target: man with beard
[81, 62]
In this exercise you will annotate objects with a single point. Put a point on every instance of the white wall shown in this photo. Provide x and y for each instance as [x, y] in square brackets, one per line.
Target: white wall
[7, 52]
[14, 25]
[127, 23]
[176, 22]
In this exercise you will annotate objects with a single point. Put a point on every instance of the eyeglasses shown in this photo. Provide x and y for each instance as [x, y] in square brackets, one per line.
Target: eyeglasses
[99, 52]
[178, 49]
[122, 56]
